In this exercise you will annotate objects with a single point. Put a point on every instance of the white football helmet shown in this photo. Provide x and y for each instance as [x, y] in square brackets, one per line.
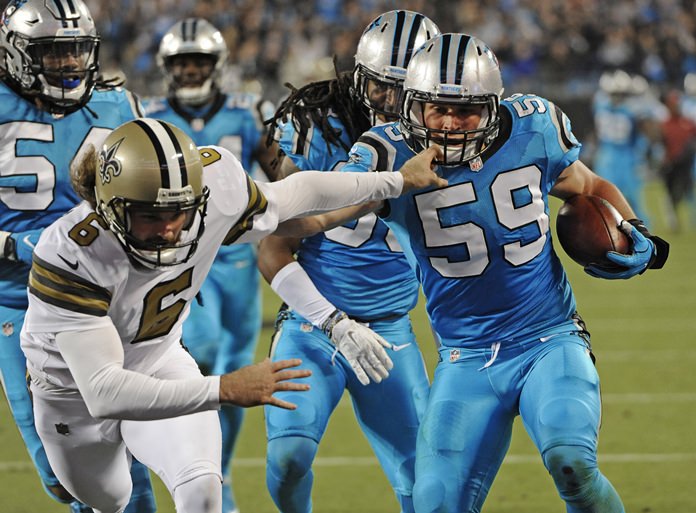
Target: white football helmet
[384, 50]
[616, 83]
[452, 69]
[198, 38]
[50, 51]
[153, 166]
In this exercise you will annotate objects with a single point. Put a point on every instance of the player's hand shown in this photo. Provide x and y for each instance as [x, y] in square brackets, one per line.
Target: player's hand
[419, 171]
[364, 350]
[255, 384]
[631, 264]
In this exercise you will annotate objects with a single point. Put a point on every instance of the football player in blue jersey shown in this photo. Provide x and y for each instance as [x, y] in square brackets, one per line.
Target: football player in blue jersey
[53, 104]
[625, 127]
[224, 324]
[346, 280]
[511, 340]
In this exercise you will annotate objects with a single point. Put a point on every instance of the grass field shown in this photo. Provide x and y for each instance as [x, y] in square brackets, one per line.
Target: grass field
[643, 337]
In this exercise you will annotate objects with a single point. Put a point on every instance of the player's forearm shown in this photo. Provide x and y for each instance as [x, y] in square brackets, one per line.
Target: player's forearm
[314, 192]
[307, 226]
[95, 359]
[296, 288]
[19, 246]
[118, 393]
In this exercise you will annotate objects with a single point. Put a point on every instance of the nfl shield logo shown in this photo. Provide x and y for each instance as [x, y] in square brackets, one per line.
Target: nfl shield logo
[476, 164]
[454, 355]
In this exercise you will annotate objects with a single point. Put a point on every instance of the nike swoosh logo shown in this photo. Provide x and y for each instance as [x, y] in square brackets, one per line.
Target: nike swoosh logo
[72, 265]
[27, 241]
[399, 348]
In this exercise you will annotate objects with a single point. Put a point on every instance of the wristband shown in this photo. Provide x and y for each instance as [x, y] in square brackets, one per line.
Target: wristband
[657, 261]
[330, 323]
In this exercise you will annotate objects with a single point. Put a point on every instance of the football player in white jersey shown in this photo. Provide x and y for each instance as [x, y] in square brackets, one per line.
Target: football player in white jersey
[53, 103]
[111, 284]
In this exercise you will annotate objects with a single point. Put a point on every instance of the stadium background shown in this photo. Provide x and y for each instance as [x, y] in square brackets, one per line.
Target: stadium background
[641, 329]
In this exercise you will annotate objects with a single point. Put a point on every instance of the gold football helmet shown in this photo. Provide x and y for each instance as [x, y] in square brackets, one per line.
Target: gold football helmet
[150, 165]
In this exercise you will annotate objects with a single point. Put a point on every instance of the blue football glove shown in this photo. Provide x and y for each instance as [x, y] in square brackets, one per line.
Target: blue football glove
[635, 263]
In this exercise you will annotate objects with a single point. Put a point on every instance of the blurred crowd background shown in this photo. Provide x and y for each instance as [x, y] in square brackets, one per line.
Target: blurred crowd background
[558, 49]
[553, 47]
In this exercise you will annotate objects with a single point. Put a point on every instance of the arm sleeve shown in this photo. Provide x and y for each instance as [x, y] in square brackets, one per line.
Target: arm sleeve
[295, 287]
[315, 192]
[95, 359]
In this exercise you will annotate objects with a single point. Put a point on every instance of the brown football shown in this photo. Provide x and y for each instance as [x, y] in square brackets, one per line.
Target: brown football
[588, 227]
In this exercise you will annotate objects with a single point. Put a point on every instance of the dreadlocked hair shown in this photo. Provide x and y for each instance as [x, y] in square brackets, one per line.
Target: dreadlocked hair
[314, 102]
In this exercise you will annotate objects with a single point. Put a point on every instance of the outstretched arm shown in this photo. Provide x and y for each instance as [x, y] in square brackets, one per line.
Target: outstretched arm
[307, 226]
[315, 192]
[95, 359]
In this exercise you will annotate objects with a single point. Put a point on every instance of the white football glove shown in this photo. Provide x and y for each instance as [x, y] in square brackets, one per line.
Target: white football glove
[362, 347]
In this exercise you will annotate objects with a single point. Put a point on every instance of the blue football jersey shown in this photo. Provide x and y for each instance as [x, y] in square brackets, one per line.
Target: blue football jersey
[359, 267]
[230, 122]
[36, 150]
[620, 144]
[482, 245]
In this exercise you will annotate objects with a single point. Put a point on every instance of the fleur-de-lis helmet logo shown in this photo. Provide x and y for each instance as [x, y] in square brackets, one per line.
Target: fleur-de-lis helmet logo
[109, 166]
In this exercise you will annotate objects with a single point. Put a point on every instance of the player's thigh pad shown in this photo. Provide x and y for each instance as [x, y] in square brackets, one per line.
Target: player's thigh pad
[180, 448]
[203, 326]
[465, 433]
[390, 412]
[560, 400]
[86, 454]
[298, 339]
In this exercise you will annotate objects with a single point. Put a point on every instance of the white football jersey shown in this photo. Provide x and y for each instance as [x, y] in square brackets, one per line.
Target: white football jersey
[83, 279]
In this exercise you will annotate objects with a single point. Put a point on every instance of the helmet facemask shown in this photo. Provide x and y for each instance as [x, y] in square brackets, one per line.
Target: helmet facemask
[198, 39]
[189, 93]
[158, 252]
[50, 53]
[458, 146]
[64, 70]
[149, 190]
[382, 95]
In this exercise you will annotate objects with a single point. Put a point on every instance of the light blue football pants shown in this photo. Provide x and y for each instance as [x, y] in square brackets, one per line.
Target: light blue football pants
[388, 412]
[476, 394]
